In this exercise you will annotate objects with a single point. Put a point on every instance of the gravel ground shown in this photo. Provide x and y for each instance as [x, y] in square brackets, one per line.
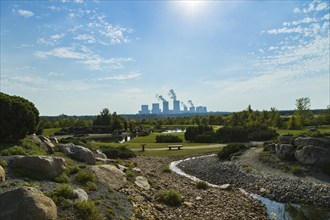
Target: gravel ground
[212, 203]
[274, 187]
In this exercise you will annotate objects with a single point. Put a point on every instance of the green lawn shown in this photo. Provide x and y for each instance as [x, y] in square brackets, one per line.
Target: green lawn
[323, 129]
[50, 131]
[178, 152]
[149, 141]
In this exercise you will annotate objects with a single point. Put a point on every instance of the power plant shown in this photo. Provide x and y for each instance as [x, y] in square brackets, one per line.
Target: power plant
[176, 106]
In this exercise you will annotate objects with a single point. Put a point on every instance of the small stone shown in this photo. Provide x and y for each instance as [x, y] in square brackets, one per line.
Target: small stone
[122, 168]
[198, 198]
[137, 170]
[225, 186]
[262, 190]
[159, 207]
[142, 182]
[188, 204]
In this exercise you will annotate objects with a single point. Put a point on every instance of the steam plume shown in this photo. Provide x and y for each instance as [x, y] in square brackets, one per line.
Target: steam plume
[172, 94]
[184, 105]
[160, 98]
[191, 103]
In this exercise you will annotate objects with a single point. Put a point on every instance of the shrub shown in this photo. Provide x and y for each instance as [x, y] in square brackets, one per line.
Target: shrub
[63, 178]
[326, 168]
[202, 185]
[62, 194]
[168, 139]
[296, 169]
[3, 163]
[84, 176]
[229, 149]
[21, 147]
[167, 170]
[18, 117]
[232, 134]
[118, 152]
[86, 210]
[169, 197]
[200, 130]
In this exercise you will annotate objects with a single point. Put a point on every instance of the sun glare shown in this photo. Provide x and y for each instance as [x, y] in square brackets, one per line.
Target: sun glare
[191, 7]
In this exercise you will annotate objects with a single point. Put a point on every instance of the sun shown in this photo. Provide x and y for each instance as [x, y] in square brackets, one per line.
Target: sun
[191, 7]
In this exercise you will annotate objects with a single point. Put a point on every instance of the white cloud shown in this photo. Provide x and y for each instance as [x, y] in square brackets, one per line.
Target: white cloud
[24, 13]
[85, 37]
[322, 6]
[326, 17]
[61, 52]
[131, 75]
[296, 10]
[55, 74]
[51, 41]
[29, 79]
[99, 63]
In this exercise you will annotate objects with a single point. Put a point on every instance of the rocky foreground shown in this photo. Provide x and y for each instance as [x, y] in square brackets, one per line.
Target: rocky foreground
[274, 187]
[212, 203]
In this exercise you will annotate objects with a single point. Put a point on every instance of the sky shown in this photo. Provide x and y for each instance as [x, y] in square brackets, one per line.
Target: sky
[76, 57]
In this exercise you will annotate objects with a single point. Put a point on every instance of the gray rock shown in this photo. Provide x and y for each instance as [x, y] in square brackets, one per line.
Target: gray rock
[54, 140]
[110, 176]
[122, 168]
[99, 154]
[313, 155]
[48, 166]
[269, 147]
[77, 152]
[142, 182]
[2, 175]
[285, 151]
[26, 203]
[305, 141]
[284, 139]
[80, 194]
[36, 139]
[137, 170]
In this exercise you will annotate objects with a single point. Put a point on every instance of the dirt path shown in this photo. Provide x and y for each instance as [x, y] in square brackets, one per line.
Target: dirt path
[251, 157]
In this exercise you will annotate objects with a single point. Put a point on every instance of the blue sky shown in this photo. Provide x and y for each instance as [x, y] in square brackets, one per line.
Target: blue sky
[78, 57]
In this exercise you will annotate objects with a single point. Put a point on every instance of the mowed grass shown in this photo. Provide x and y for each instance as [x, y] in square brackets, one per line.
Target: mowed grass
[149, 142]
[162, 153]
[50, 131]
[323, 130]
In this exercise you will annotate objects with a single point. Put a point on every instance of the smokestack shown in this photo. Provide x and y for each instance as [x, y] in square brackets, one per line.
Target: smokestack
[172, 94]
[191, 103]
[160, 98]
[184, 105]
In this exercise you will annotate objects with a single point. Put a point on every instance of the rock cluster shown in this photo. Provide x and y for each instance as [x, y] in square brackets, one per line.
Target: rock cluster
[77, 152]
[274, 187]
[306, 150]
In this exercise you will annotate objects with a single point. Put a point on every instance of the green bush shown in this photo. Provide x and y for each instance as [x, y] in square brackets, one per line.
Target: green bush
[62, 195]
[118, 152]
[232, 134]
[84, 176]
[86, 210]
[202, 185]
[168, 139]
[18, 117]
[21, 147]
[63, 178]
[229, 149]
[296, 169]
[167, 170]
[169, 197]
[3, 163]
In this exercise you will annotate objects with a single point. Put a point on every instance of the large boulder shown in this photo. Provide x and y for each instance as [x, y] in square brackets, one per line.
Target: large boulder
[26, 203]
[2, 175]
[306, 141]
[77, 152]
[285, 151]
[284, 139]
[313, 155]
[47, 166]
[110, 176]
